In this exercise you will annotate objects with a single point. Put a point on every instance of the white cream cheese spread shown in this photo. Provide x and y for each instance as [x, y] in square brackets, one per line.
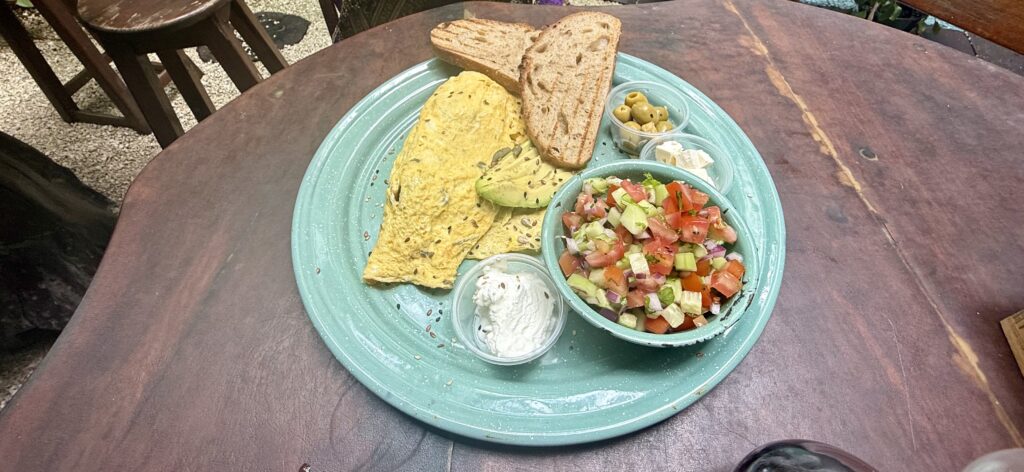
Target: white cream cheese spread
[516, 311]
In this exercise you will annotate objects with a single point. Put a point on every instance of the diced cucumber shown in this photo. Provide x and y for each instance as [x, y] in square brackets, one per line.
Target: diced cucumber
[660, 194]
[634, 219]
[634, 248]
[581, 285]
[690, 302]
[622, 263]
[602, 298]
[638, 263]
[622, 197]
[699, 251]
[614, 216]
[597, 277]
[677, 287]
[718, 262]
[598, 184]
[649, 210]
[674, 315]
[685, 262]
[628, 320]
[666, 296]
[593, 230]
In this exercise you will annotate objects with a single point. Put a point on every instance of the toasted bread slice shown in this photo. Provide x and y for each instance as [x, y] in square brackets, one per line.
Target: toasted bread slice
[492, 48]
[565, 77]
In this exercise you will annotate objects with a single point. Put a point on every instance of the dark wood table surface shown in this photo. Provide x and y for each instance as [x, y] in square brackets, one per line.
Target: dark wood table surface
[899, 163]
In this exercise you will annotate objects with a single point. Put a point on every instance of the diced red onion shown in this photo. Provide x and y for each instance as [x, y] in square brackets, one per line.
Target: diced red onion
[571, 245]
[640, 276]
[710, 245]
[734, 257]
[613, 296]
[628, 273]
[659, 278]
[584, 264]
[611, 315]
[717, 252]
[613, 180]
[716, 308]
[643, 235]
[653, 302]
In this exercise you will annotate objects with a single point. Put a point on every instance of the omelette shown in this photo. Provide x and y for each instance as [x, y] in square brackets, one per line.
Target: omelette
[433, 216]
[513, 230]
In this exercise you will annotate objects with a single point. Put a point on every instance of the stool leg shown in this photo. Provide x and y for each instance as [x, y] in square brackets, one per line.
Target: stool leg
[21, 43]
[255, 35]
[220, 38]
[186, 78]
[70, 31]
[148, 93]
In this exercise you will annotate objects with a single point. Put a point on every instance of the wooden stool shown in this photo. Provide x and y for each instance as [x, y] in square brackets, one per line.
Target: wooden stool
[131, 29]
[60, 15]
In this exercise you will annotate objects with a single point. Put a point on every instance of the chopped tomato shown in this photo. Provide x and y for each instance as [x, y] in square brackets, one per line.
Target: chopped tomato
[582, 202]
[572, 221]
[735, 268]
[677, 199]
[610, 256]
[703, 267]
[725, 283]
[660, 255]
[636, 192]
[692, 229]
[611, 199]
[656, 325]
[661, 231]
[634, 299]
[568, 262]
[600, 209]
[615, 280]
[722, 232]
[698, 198]
[712, 213]
[705, 298]
[624, 234]
[692, 283]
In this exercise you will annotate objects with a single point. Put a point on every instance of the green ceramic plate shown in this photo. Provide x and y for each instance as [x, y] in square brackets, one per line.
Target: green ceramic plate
[590, 386]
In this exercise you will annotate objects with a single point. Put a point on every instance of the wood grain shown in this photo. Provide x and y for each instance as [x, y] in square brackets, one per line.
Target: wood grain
[191, 349]
[1000, 21]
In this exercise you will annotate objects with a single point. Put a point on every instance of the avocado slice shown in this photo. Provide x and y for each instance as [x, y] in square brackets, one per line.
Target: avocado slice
[520, 179]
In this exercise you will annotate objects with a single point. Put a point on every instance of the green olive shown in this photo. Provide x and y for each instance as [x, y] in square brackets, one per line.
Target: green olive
[664, 126]
[662, 113]
[622, 113]
[643, 113]
[632, 125]
[649, 128]
[632, 98]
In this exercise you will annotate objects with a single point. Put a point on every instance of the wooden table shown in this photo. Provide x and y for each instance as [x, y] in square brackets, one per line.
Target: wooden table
[898, 162]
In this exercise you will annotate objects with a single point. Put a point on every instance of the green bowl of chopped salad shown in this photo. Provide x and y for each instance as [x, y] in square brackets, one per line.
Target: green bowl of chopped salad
[650, 253]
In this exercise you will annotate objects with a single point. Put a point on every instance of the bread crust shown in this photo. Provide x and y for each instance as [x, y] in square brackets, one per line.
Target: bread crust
[564, 79]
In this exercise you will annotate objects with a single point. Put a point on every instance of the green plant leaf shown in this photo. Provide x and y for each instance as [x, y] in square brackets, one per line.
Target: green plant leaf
[895, 12]
[24, 3]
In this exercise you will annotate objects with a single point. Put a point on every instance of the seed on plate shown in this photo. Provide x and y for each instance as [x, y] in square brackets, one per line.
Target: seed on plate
[417, 357]
[398, 306]
[366, 235]
[318, 270]
[450, 382]
[433, 334]
[428, 328]
[430, 311]
[437, 320]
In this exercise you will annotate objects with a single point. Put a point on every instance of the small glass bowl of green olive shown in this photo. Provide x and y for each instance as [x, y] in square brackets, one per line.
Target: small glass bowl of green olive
[641, 110]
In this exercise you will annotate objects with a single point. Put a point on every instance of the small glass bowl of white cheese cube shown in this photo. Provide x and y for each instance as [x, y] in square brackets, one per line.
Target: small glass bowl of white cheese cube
[693, 154]
[507, 310]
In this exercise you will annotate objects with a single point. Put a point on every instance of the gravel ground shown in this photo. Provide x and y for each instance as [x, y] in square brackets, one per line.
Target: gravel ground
[104, 157]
